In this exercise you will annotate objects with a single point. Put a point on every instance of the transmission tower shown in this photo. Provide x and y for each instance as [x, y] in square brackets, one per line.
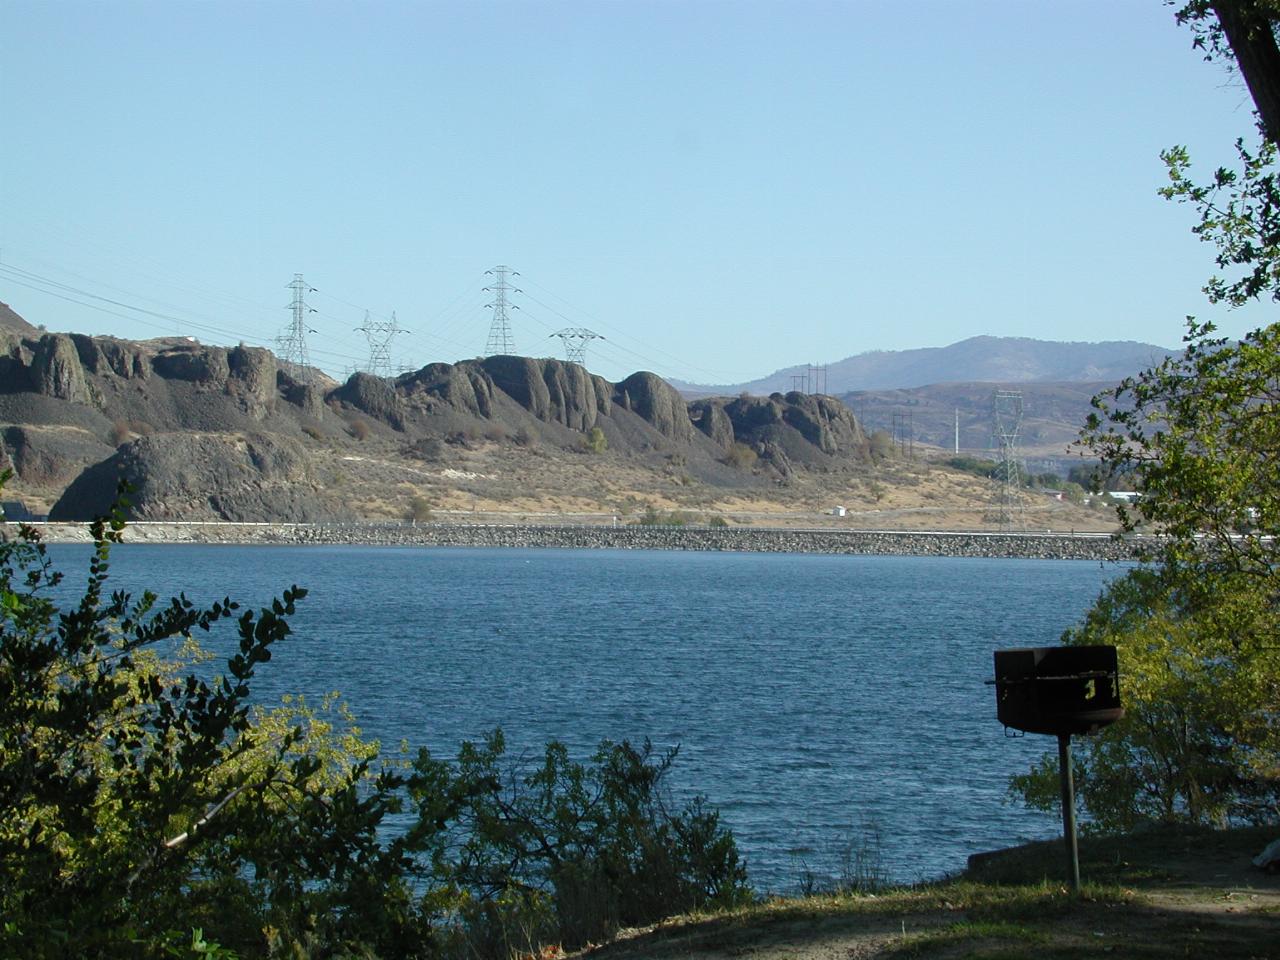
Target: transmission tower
[1006, 420]
[500, 341]
[380, 333]
[575, 343]
[292, 345]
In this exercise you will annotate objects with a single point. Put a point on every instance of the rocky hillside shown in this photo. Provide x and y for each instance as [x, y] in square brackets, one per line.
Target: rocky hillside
[204, 432]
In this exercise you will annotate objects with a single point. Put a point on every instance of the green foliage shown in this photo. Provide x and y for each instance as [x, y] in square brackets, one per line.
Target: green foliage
[420, 510]
[589, 847]
[142, 791]
[1198, 742]
[1200, 434]
[595, 441]
[1199, 438]
[977, 466]
[653, 517]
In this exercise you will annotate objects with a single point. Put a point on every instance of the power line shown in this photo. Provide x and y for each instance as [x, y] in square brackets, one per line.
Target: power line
[680, 362]
[40, 284]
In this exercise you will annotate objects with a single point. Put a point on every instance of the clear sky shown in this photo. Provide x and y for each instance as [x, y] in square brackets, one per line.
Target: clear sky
[719, 187]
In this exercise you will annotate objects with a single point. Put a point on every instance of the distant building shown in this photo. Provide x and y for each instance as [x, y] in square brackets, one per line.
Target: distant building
[838, 511]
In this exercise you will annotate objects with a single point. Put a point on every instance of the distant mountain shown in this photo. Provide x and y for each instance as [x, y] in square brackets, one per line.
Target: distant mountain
[1008, 360]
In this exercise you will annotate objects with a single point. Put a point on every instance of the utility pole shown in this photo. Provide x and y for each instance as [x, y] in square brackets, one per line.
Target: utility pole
[500, 340]
[957, 431]
[293, 343]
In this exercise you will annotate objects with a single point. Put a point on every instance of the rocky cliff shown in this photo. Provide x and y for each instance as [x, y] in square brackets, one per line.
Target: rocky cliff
[204, 432]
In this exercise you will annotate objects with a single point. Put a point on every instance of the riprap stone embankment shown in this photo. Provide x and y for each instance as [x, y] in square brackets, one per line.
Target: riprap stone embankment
[742, 539]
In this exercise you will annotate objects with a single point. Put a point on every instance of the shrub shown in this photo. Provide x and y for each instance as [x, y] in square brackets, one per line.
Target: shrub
[978, 466]
[420, 510]
[595, 441]
[359, 429]
[880, 445]
[313, 433]
[741, 456]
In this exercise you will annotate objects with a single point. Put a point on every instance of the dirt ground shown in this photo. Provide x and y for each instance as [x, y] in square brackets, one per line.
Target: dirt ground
[494, 483]
[1163, 894]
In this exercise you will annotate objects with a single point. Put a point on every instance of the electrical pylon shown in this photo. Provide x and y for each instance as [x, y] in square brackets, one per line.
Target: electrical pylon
[292, 345]
[380, 333]
[1006, 420]
[575, 343]
[500, 340]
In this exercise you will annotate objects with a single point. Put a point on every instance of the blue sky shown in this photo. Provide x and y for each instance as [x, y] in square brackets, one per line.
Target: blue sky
[718, 188]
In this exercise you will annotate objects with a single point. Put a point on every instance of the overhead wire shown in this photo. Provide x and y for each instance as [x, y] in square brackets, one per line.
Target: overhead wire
[41, 284]
[619, 333]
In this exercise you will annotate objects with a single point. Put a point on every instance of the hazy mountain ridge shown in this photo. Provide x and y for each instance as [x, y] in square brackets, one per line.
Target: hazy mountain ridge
[984, 359]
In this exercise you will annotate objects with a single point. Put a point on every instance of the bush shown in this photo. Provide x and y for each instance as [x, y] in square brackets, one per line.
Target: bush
[595, 441]
[741, 456]
[880, 445]
[978, 466]
[420, 510]
[359, 429]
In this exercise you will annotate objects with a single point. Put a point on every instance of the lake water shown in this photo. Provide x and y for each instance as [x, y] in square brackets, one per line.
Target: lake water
[812, 697]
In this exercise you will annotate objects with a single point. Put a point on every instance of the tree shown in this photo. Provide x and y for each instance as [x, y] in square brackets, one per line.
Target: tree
[1242, 33]
[1199, 436]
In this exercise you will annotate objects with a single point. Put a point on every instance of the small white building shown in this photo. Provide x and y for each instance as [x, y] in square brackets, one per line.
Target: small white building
[838, 511]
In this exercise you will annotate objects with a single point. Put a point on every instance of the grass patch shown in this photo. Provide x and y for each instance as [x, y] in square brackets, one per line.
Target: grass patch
[966, 933]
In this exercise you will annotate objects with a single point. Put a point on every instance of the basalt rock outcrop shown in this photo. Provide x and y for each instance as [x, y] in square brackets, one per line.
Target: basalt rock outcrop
[207, 432]
[657, 403]
[194, 477]
[783, 429]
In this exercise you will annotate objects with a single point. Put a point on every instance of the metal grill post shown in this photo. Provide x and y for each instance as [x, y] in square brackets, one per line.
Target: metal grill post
[1069, 810]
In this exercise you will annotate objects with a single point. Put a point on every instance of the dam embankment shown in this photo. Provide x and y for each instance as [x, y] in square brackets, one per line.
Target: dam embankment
[634, 537]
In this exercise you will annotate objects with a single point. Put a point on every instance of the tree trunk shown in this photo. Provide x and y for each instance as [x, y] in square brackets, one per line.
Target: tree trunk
[1249, 31]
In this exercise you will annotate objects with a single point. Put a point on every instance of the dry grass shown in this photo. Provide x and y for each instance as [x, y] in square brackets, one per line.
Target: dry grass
[1158, 895]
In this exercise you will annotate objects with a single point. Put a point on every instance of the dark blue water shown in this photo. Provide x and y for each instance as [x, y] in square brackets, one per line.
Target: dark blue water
[812, 697]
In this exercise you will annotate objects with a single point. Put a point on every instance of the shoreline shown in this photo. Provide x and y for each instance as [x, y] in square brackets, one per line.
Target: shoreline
[1030, 546]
